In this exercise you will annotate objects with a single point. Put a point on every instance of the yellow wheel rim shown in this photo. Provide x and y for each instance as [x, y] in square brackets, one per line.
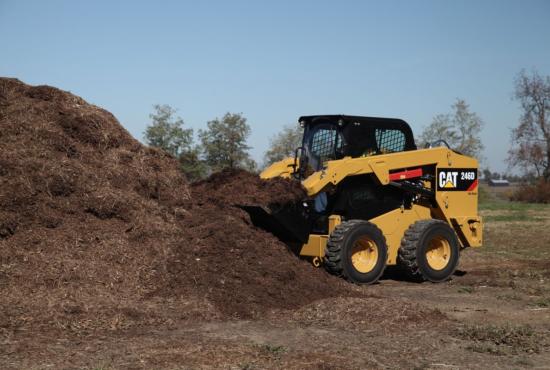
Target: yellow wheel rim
[438, 253]
[364, 255]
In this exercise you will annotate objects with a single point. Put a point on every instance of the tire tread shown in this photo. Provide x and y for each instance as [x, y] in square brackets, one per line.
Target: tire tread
[335, 245]
[407, 256]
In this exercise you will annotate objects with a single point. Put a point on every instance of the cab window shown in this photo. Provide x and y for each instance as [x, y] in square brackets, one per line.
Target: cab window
[389, 140]
[325, 142]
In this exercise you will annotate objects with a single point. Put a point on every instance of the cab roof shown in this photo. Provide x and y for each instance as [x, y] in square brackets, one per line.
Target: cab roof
[377, 122]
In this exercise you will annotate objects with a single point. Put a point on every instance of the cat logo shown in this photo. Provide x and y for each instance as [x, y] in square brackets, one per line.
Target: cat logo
[456, 179]
[448, 179]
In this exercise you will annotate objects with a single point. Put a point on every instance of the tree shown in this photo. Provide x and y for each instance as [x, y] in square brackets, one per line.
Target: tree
[531, 138]
[224, 143]
[461, 130]
[487, 174]
[193, 165]
[284, 144]
[166, 131]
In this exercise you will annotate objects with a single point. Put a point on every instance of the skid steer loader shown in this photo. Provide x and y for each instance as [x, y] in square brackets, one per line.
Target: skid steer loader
[375, 199]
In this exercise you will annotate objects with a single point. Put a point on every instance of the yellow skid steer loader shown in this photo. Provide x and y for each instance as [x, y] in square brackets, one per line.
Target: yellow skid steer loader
[375, 199]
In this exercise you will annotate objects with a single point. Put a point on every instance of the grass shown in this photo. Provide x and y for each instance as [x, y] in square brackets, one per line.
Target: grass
[521, 216]
[513, 229]
[509, 297]
[273, 351]
[543, 302]
[513, 207]
[518, 240]
[485, 348]
[465, 289]
[276, 350]
[490, 201]
[499, 205]
[501, 339]
[496, 208]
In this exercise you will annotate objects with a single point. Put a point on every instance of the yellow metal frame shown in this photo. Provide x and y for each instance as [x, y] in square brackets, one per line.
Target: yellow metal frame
[315, 246]
[283, 168]
[457, 208]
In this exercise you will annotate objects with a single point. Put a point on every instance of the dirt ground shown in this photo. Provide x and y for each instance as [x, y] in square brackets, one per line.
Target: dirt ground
[495, 313]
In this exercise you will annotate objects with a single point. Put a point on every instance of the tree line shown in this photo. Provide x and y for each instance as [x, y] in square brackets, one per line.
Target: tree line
[224, 141]
[529, 150]
[222, 144]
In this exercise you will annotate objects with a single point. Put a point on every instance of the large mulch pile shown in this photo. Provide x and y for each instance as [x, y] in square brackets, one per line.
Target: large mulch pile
[100, 232]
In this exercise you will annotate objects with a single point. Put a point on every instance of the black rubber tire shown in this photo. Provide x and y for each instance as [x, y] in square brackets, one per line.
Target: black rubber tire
[340, 245]
[411, 256]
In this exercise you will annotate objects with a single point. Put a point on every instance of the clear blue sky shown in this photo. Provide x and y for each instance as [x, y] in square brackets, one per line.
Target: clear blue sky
[274, 61]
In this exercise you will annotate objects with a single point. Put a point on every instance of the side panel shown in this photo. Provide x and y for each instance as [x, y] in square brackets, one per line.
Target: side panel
[457, 197]
[457, 187]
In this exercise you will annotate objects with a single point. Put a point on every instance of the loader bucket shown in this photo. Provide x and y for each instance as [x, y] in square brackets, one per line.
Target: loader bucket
[288, 223]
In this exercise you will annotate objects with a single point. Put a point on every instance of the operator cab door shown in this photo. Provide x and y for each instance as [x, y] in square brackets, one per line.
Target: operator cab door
[324, 143]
